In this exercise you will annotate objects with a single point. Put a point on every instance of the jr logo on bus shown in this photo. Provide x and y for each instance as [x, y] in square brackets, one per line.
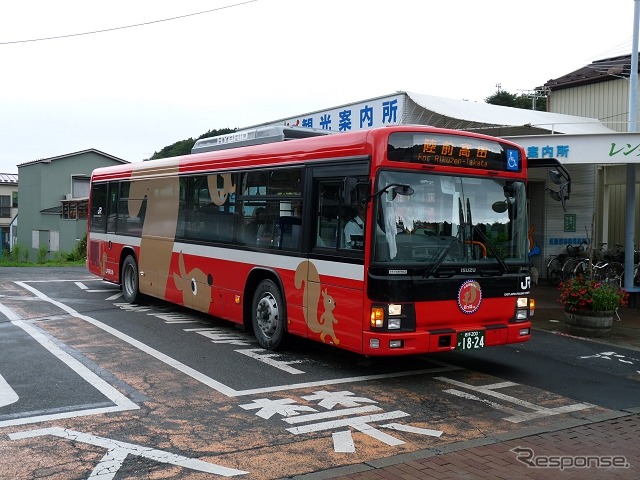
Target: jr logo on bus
[469, 296]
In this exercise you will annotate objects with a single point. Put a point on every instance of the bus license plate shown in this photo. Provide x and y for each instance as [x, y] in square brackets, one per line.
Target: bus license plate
[470, 340]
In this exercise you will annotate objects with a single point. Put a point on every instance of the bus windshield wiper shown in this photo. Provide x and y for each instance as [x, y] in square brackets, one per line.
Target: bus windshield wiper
[439, 260]
[492, 247]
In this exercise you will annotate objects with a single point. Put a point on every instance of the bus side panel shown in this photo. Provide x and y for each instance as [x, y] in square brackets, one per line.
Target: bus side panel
[110, 260]
[195, 282]
[94, 257]
[160, 218]
[294, 297]
[207, 284]
[333, 304]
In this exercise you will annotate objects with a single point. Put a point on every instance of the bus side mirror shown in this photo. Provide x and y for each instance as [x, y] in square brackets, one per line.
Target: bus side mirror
[562, 194]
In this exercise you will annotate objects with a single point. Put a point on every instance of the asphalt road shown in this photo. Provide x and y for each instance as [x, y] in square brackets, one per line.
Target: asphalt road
[91, 386]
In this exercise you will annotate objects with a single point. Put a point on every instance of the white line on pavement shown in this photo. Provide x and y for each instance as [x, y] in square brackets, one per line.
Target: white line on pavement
[210, 382]
[7, 394]
[121, 402]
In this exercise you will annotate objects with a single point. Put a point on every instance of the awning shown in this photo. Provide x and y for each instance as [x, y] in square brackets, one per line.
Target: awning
[494, 119]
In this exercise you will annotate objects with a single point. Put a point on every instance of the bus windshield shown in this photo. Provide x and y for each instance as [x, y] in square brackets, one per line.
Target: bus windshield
[443, 220]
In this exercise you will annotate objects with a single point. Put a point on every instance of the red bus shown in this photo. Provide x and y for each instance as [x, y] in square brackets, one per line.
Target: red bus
[390, 241]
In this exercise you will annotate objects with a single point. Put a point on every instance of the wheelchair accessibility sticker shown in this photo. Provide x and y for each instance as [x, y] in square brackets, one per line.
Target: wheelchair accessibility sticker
[513, 160]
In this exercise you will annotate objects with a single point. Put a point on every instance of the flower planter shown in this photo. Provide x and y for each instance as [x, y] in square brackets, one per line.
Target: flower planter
[588, 323]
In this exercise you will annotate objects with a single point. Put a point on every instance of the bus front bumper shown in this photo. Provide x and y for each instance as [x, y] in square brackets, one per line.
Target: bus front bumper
[444, 340]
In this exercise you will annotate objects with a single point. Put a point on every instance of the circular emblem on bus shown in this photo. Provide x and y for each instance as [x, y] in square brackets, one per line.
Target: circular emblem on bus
[469, 296]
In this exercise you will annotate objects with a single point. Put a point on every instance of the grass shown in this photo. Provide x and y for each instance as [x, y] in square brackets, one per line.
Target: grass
[21, 257]
[10, 262]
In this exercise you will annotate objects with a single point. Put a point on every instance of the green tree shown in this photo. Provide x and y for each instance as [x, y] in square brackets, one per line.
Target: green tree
[183, 147]
[507, 99]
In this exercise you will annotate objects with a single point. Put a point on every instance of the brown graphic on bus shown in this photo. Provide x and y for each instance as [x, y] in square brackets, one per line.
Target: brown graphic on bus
[307, 274]
[195, 286]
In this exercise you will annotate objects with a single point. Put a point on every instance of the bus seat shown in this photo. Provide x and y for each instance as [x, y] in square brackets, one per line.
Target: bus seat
[289, 228]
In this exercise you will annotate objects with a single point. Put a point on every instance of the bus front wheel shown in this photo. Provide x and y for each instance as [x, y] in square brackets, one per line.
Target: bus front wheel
[267, 315]
[130, 281]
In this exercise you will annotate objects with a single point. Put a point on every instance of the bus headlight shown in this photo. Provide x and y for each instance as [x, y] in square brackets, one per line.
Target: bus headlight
[522, 311]
[394, 324]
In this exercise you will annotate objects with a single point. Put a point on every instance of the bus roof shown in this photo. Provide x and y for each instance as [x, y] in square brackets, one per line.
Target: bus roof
[256, 136]
[350, 144]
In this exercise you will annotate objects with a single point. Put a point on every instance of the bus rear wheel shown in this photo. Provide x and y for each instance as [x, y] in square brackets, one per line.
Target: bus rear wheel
[130, 280]
[267, 316]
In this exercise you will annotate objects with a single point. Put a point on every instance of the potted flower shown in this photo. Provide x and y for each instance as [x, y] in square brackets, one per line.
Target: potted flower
[590, 305]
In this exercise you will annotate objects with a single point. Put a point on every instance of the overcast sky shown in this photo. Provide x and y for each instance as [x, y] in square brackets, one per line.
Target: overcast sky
[131, 91]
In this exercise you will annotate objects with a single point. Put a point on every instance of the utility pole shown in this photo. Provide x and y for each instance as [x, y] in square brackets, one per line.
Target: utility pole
[534, 95]
[630, 224]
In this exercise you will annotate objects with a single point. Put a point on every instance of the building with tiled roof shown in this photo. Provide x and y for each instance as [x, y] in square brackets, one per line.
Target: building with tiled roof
[601, 90]
[598, 90]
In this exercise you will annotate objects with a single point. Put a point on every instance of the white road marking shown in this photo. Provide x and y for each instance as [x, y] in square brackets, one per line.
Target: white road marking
[173, 317]
[517, 416]
[270, 359]
[60, 280]
[343, 442]
[358, 423]
[494, 405]
[136, 343]
[612, 356]
[401, 427]
[121, 402]
[118, 451]
[289, 409]
[312, 417]
[221, 335]
[214, 384]
[7, 394]
[267, 408]
[81, 286]
[114, 297]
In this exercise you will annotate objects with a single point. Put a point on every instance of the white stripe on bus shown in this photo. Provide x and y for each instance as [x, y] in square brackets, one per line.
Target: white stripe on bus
[344, 270]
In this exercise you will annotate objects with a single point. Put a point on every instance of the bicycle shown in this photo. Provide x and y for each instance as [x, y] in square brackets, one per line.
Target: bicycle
[605, 272]
[576, 255]
[554, 269]
[606, 269]
[562, 266]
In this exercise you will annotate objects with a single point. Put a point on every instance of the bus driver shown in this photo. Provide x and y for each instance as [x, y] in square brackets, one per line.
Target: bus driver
[354, 228]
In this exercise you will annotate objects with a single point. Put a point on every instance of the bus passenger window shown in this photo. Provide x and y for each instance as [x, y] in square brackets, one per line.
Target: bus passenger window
[328, 231]
[256, 227]
[99, 207]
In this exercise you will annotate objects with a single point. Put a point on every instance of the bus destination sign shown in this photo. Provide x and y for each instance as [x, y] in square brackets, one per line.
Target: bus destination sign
[453, 151]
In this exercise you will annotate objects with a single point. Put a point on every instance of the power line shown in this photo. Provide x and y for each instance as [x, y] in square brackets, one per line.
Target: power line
[12, 42]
